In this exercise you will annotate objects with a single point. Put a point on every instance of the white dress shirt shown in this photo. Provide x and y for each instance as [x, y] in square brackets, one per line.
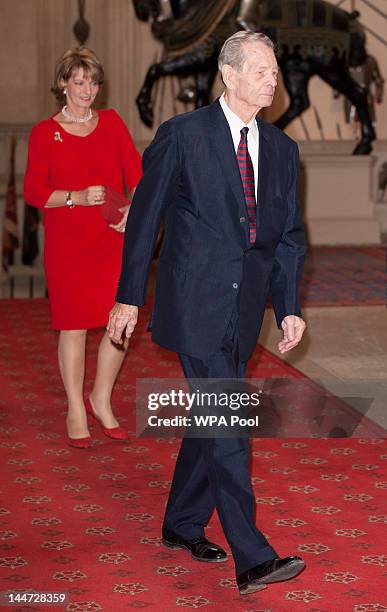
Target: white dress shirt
[236, 124]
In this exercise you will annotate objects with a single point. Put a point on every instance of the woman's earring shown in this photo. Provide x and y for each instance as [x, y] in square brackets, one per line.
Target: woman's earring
[65, 92]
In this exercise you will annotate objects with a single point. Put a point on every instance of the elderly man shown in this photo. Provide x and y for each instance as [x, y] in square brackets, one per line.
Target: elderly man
[225, 182]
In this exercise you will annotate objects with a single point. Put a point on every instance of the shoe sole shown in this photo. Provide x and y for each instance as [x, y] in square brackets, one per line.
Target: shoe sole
[181, 546]
[285, 573]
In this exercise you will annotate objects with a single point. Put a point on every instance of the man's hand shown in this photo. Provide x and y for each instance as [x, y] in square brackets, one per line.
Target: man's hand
[293, 328]
[121, 316]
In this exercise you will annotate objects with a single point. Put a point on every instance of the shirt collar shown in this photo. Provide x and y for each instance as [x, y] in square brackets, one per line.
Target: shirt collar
[235, 123]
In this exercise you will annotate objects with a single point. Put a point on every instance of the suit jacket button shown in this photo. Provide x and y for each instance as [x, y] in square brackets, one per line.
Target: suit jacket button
[235, 285]
[242, 219]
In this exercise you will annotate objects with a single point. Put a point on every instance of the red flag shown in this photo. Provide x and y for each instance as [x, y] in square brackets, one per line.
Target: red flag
[10, 228]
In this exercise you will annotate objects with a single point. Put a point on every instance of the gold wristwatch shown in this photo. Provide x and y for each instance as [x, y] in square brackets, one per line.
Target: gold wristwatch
[69, 201]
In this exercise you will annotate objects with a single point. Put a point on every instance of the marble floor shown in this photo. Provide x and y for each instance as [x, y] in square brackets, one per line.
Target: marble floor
[346, 349]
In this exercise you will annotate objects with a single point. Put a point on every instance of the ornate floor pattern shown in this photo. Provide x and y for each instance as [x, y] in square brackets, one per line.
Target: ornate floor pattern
[88, 522]
[344, 276]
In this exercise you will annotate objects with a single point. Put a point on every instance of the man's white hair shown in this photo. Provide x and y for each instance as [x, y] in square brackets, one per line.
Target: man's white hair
[232, 52]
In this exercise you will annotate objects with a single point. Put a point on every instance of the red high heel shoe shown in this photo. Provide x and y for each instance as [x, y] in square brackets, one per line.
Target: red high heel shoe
[116, 433]
[85, 442]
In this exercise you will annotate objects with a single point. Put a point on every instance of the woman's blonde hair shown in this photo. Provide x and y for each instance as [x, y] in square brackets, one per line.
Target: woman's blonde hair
[72, 60]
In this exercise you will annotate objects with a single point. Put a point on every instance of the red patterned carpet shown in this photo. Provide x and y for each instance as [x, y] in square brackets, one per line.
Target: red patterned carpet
[88, 522]
[344, 276]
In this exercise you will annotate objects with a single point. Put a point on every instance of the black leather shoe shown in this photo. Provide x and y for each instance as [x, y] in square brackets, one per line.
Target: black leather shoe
[200, 548]
[275, 570]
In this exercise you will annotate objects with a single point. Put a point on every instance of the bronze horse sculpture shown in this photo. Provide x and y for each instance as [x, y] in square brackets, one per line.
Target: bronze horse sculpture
[313, 37]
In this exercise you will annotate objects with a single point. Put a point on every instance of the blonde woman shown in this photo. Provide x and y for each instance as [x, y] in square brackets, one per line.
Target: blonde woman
[74, 157]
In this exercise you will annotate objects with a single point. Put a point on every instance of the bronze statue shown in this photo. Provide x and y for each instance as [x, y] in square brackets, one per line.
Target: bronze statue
[313, 37]
[369, 77]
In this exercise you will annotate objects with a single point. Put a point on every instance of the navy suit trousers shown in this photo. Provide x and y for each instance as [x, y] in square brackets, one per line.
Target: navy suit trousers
[214, 473]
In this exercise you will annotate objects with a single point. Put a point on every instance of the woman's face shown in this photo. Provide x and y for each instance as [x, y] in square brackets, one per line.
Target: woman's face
[81, 90]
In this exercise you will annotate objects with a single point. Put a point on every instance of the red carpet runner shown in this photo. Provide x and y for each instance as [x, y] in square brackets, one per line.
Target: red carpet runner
[344, 276]
[88, 522]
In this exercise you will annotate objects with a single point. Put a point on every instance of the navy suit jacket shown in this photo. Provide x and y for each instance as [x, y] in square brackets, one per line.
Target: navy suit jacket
[207, 267]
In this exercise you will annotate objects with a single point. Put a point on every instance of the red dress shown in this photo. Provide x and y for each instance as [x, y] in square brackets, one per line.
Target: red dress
[82, 254]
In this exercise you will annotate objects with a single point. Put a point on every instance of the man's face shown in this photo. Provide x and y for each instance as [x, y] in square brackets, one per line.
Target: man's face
[255, 84]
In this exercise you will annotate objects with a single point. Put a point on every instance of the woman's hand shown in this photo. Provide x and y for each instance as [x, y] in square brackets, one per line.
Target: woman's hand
[120, 227]
[91, 196]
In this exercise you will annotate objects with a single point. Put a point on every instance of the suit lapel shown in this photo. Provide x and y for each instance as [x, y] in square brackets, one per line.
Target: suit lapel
[264, 165]
[222, 143]
[223, 146]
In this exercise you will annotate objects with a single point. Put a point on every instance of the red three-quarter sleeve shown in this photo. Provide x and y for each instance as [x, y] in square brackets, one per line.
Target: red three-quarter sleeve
[130, 157]
[37, 188]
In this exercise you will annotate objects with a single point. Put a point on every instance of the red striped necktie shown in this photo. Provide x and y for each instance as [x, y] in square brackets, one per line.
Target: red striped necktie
[247, 174]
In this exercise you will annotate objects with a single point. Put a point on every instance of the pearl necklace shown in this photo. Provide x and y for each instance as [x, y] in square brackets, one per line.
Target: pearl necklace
[76, 119]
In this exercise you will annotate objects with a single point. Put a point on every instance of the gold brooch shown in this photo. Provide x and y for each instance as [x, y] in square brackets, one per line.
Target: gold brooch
[57, 136]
